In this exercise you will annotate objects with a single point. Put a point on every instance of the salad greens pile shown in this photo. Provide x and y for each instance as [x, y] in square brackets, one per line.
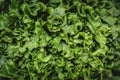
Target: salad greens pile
[59, 40]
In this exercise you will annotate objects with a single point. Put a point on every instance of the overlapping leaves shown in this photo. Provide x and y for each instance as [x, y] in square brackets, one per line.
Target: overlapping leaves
[59, 40]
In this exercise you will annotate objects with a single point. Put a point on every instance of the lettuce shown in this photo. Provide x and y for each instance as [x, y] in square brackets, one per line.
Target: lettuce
[59, 40]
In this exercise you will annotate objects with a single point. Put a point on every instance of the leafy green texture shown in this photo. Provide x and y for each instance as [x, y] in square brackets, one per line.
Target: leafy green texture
[59, 40]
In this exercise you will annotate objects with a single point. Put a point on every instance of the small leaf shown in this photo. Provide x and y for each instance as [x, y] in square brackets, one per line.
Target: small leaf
[44, 58]
[109, 20]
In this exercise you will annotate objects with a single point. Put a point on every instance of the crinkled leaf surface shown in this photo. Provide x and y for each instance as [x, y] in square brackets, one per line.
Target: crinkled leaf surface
[59, 39]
